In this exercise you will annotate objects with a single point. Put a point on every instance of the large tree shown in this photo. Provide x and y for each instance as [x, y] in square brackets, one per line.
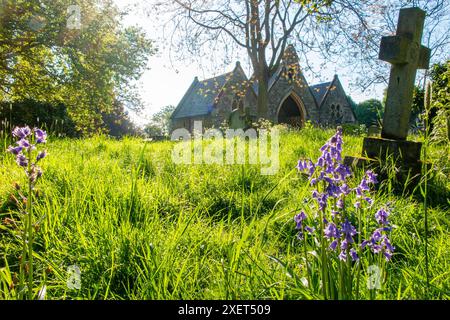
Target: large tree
[344, 32]
[74, 52]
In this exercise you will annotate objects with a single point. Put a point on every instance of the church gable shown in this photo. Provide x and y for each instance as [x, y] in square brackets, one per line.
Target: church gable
[235, 94]
[334, 105]
[290, 86]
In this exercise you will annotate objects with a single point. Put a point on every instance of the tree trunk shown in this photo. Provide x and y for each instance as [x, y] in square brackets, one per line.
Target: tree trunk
[263, 95]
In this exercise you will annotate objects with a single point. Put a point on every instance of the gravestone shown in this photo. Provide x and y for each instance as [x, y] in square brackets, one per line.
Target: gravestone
[406, 54]
[373, 131]
[237, 119]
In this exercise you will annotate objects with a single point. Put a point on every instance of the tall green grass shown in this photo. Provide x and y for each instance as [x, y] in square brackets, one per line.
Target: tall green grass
[140, 227]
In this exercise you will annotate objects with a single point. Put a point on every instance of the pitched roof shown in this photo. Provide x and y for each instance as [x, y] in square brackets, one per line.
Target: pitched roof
[201, 96]
[320, 90]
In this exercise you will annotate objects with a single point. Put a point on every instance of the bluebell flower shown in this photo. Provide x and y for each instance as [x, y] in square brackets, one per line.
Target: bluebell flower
[25, 144]
[333, 245]
[382, 216]
[21, 160]
[24, 136]
[387, 244]
[344, 244]
[371, 177]
[309, 229]
[331, 231]
[21, 133]
[348, 230]
[363, 185]
[301, 165]
[345, 189]
[354, 255]
[41, 135]
[299, 219]
[14, 150]
[41, 155]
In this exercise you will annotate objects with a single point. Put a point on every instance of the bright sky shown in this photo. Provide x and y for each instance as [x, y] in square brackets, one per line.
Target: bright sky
[166, 81]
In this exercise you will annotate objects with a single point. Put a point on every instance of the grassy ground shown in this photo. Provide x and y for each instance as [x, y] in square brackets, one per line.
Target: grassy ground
[140, 227]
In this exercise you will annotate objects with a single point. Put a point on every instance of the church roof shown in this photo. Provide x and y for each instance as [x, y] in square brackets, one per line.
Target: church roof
[320, 90]
[201, 97]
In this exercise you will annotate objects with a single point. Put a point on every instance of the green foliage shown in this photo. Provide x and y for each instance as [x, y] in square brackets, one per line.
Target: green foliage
[51, 117]
[440, 74]
[117, 122]
[159, 124]
[45, 58]
[140, 227]
[369, 112]
[354, 129]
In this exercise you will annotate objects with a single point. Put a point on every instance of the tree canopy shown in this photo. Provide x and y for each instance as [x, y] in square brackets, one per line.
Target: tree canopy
[75, 53]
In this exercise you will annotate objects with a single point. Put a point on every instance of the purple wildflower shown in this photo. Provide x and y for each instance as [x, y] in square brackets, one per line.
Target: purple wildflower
[21, 133]
[376, 236]
[14, 150]
[345, 189]
[379, 243]
[371, 177]
[309, 229]
[41, 135]
[387, 255]
[348, 230]
[359, 192]
[331, 231]
[299, 219]
[381, 216]
[344, 244]
[41, 155]
[333, 245]
[343, 255]
[343, 171]
[363, 185]
[322, 201]
[387, 244]
[354, 255]
[24, 137]
[301, 165]
[364, 244]
[25, 144]
[21, 160]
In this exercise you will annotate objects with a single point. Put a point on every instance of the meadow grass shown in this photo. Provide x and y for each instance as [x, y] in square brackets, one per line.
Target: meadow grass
[139, 226]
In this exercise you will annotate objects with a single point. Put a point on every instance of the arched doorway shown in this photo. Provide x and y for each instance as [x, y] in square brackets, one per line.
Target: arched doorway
[291, 112]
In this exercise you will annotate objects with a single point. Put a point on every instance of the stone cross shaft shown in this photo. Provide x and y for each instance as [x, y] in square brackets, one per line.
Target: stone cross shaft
[406, 54]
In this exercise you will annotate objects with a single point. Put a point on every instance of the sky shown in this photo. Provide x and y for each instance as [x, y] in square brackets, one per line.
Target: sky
[166, 80]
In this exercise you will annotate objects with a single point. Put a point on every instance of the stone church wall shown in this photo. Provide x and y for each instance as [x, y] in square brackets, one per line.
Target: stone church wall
[336, 107]
[282, 88]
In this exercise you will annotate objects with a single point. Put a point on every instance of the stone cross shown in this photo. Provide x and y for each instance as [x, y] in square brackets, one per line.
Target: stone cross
[406, 54]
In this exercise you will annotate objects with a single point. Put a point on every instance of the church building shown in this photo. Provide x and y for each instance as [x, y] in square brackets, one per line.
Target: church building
[230, 98]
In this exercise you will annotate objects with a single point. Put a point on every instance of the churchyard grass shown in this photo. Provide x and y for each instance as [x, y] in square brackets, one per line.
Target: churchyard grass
[138, 226]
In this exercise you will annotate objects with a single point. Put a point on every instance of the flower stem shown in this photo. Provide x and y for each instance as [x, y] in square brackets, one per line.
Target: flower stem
[23, 258]
[30, 232]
